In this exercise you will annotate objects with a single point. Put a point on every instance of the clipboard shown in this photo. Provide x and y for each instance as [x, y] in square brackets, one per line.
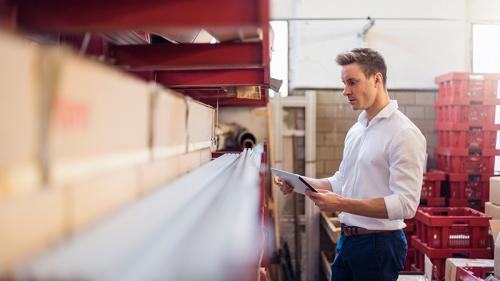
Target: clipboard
[296, 181]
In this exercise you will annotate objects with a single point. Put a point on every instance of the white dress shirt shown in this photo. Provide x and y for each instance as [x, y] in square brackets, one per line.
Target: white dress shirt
[385, 159]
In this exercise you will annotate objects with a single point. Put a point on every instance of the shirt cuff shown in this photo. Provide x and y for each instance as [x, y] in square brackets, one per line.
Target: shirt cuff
[334, 184]
[393, 206]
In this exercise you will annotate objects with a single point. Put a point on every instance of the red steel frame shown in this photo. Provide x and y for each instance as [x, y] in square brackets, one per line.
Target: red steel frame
[169, 56]
[187, 66]
[116, 15]
[210, 78]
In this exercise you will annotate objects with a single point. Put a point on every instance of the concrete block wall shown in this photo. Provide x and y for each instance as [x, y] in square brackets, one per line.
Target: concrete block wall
[334, 117]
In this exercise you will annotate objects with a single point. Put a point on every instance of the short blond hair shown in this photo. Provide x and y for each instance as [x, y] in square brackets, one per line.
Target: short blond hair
[371, 61]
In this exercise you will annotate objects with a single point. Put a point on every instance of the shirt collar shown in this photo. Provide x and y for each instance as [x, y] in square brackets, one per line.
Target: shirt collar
[386, 112]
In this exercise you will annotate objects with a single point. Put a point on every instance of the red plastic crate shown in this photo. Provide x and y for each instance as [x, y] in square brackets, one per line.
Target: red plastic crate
[431, 189]
[465, 113]
[467, 85]
[466, 151]
[431, 186]
[470, 187]
[444, 228]
[473, 273]
[438, 256]
[433, 202]
[411, 226]
[473, 137]
[470, 164]
[458, 202]
[489, 100]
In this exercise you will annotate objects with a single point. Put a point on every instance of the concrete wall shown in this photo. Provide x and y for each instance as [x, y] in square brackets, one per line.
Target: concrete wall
[419, 39]
[334, 118]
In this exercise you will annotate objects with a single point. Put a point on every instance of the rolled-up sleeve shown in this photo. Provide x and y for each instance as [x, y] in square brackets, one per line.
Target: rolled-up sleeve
[337, 180]
[407, 157]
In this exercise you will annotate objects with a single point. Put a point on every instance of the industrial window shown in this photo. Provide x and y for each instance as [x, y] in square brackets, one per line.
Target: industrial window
[485, 48]
[279, 55]
[486, 59]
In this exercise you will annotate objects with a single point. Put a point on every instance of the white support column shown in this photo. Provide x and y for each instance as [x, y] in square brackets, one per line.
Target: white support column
[312, 223]
[311, 212]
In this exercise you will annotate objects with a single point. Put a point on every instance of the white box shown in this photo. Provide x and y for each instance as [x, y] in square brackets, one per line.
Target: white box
[169, 136]
[201, 125]
[496, 256]
[453, 263]
[492, 209]
[495, 190]
[495, 229]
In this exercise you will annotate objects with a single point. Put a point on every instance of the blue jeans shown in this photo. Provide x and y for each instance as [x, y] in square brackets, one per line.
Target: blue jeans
[371, 257]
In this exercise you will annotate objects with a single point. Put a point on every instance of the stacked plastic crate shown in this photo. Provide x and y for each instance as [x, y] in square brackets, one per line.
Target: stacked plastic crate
[466, 130]
[432, 189]
[444, 232]
[431, 195]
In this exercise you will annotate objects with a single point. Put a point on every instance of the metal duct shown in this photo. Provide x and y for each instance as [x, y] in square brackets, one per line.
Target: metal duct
[203, 226]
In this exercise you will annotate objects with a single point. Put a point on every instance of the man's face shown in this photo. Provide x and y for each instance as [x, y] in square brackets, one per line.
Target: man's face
[359, 90]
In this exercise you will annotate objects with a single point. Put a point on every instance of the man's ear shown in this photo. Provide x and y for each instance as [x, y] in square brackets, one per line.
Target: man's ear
[379, 79]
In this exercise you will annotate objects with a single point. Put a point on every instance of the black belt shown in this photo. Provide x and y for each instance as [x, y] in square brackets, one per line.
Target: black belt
[348, 230]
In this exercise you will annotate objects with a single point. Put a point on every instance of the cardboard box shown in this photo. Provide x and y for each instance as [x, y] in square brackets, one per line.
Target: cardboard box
[19, 114]
[59, 109]
[29, 223]
[495, 190]
[492, 210]
[90, 200]
[453, 263]
[189, 161]
[200, 125]
[169, 136]
[206, 156]
[97, 112]
[495, 231]
[159, 172]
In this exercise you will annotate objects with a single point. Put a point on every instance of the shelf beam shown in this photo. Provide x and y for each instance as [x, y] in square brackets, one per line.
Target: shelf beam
[211, 78]
[189, 56]
[118, 15]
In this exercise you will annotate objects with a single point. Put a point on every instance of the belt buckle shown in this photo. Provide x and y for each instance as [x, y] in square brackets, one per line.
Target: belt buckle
[348, 230]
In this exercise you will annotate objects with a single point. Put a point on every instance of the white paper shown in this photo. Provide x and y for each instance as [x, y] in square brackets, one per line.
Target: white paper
[292, 179]
[428, 268]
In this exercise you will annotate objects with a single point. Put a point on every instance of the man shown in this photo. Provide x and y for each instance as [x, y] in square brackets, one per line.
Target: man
[379, 179]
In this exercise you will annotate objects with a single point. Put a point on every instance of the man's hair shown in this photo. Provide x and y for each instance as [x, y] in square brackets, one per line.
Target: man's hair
[370, 61]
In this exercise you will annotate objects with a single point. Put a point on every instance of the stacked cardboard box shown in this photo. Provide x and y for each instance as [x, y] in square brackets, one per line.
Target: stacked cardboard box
[492, 207]
[80, 140]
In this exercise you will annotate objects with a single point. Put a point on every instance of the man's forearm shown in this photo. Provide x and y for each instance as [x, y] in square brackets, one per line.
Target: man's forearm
[374, 208]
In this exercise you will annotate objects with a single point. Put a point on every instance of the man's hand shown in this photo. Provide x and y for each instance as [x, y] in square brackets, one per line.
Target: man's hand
[283, 185]
[332, 202]
[325, 200]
